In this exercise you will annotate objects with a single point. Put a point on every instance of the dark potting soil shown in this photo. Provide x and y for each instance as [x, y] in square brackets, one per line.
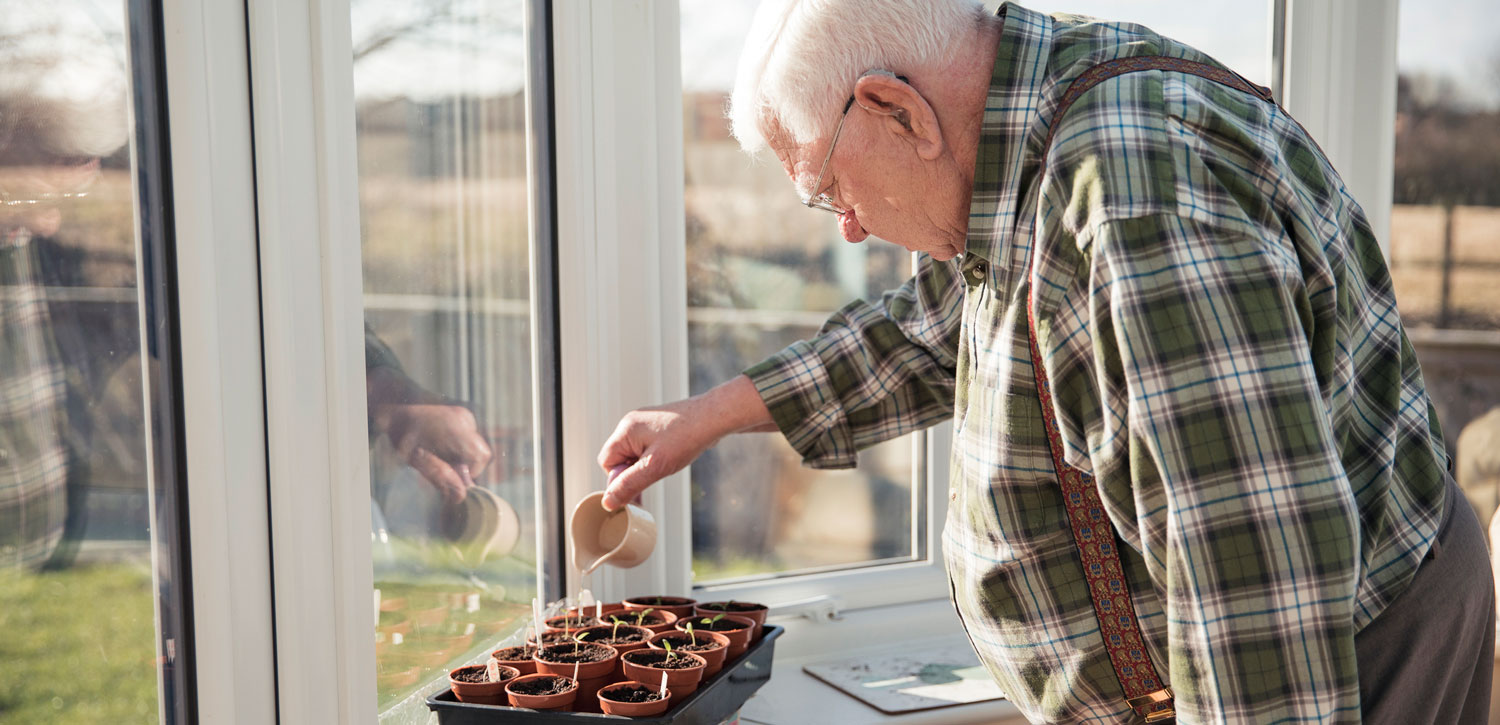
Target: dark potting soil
[627, 638]
[659, 659]
[573, 622]
[633, 694]
[567, 654]
[476, 674]
[733, 607]
[723, 625]
[663, 601]
[513, 654]
[647, 621]
[685, 644]
[608, 634]
[543, 686]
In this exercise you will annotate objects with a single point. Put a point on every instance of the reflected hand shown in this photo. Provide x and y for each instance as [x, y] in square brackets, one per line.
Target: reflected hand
[438, 438]
[657, 442]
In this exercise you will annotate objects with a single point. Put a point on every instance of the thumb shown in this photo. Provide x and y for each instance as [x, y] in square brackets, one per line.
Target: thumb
[628, 483]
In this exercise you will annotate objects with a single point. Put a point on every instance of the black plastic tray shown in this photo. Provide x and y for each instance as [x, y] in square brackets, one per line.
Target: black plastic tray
[715, 701]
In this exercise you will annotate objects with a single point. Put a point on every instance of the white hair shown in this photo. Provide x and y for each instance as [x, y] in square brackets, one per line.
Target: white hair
[802, 58]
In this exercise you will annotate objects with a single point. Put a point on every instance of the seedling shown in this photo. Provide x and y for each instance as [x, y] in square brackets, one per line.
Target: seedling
[693, 636]
[712, 622]
[614, 631]
[641, 616]
[578, 640]
[671, 656]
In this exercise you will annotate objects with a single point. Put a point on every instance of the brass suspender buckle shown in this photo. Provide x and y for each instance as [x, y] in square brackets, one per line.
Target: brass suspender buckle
[1152, 698]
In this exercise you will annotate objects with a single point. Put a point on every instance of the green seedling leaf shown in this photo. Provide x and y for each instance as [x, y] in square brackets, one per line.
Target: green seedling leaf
[715, 620]
[613, 633]
[578, 639]
[641, 616]
[689, 629]
[668, 647]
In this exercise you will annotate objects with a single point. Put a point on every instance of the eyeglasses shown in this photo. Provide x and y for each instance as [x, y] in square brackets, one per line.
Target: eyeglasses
[820, 199]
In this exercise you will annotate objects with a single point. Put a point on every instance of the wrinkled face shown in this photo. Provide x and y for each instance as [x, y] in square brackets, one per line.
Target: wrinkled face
[890, 188]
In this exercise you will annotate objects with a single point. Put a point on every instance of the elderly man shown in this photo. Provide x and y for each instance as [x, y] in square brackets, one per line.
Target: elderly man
[1195, 468]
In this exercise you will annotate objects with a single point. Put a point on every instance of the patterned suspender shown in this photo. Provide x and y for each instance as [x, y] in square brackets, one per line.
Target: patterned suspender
[1145, 691]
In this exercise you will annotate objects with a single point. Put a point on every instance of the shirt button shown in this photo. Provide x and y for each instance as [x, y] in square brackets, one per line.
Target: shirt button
[977, 273]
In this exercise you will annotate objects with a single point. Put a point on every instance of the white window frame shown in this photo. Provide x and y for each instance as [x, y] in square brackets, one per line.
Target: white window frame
[213, 215]
[621, 222]
[1339, 81]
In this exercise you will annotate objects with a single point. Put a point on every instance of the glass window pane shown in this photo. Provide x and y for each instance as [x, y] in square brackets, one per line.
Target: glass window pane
[440, 93]
[1445, 225]
[78, 587]
[763, 272]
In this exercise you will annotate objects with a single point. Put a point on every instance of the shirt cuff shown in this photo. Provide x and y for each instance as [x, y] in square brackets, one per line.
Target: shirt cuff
[795, 387]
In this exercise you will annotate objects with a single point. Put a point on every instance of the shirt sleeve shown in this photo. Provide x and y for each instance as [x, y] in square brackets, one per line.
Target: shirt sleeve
[377, 353]
[875, 371]
[1214, 427]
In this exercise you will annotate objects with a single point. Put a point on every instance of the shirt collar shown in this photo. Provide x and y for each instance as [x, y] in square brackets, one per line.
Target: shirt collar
[1010, 115]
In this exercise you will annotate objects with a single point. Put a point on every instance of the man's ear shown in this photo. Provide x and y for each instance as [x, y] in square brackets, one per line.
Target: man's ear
[907, 112]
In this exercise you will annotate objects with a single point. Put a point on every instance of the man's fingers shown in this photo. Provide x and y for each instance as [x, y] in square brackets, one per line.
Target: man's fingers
[630, 483]
[477, 454]
[439, 474]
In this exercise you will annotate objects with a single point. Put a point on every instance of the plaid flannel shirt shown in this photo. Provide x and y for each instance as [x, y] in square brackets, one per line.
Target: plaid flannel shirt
[33, 458]
[1219, 328]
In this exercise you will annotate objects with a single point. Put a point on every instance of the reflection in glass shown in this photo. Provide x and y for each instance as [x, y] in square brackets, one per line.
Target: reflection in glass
[763, 272]
[440, 93]
[1445, 227]
[76, 576]
[1236, 34]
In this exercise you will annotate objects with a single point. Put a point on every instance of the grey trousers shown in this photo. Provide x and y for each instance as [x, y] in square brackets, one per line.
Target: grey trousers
[1429, 656]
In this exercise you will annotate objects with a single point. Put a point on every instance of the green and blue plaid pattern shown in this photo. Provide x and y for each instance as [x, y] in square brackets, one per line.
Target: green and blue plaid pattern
[33, 460]
[1219, 328]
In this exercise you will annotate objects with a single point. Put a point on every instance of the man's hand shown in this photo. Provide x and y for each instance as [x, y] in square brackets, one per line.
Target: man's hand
[657, 442]
[438, 438]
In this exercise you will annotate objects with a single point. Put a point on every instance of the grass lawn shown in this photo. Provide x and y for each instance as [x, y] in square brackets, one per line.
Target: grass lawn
[78, 646]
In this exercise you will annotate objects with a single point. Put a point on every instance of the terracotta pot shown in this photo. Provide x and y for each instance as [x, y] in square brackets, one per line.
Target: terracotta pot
[633, 709]
[601, 635]
[429, 617]
[563, 701]
[680, 683]
[526, 666]
[755, 615]
[668, 618]
[456, 643]
[739, 639]
[401, 626]
[433, 658]
[481, 693]
[714, 657]
[591, 610]
[680, 606]
[570, 623]
[591, 675]
[397, 679]
[551, 636]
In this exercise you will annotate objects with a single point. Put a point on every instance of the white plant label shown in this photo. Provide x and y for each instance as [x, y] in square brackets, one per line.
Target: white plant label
[536, 616]
[663, 691]
[492, 668]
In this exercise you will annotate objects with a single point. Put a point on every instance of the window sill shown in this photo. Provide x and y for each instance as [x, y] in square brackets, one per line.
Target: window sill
[792, 695]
